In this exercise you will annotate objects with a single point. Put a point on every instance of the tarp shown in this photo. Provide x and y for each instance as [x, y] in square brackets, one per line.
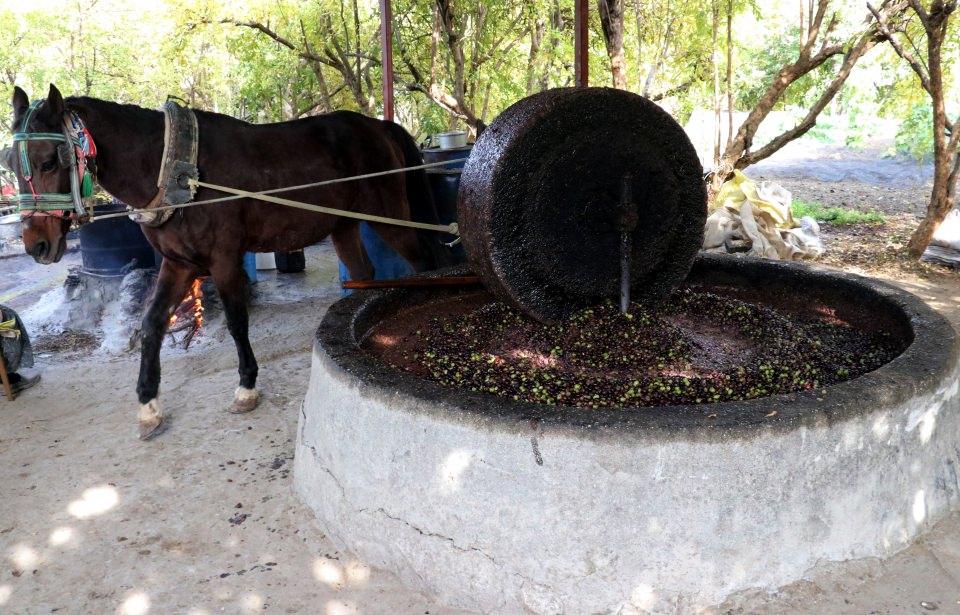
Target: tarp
[757, 219]
[944, 247]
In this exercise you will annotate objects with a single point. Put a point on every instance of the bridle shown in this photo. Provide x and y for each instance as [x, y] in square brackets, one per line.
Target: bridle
[75, 150]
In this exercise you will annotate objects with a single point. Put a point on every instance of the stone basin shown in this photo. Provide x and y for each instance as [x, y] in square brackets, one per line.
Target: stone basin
[505, 507]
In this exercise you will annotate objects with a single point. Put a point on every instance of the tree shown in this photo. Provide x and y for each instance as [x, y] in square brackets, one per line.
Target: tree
[818, 44]
[473, 52]
[671, 38]
[342, 38]
[934, 23]
[611, 22]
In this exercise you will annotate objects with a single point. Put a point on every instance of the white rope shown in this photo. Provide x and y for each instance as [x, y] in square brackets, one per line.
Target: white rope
[451, 228]
[261, 195]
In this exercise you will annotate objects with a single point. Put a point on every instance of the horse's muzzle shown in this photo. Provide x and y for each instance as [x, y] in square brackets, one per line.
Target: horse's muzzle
[46, 254]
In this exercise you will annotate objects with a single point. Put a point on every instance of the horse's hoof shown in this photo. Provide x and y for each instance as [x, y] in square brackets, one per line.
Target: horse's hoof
[244, 400]
[150, 420]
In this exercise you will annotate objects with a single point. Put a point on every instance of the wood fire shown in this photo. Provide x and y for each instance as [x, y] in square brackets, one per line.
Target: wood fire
[188, 316]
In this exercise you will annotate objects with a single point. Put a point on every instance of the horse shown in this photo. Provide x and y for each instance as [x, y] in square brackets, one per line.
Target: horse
[211, 239]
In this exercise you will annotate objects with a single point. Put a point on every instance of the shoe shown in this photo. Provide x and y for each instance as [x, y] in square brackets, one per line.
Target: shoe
[21, 383]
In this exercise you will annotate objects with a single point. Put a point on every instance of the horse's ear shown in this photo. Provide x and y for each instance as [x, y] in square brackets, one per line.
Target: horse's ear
[54, 106]
[20, 102]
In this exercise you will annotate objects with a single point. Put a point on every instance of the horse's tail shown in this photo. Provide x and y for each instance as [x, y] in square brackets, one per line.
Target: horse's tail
[420, 197]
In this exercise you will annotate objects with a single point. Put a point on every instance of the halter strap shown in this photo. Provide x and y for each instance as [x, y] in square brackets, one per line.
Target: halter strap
[52, 201]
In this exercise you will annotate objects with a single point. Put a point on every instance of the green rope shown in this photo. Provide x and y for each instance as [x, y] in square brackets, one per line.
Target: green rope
[45, 201]
[38, 136]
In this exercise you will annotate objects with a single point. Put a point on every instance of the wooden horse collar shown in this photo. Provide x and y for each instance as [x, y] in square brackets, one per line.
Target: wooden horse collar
[178, 165]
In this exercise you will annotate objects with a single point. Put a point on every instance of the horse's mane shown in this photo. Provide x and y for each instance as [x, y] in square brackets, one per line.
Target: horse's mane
[131, 111]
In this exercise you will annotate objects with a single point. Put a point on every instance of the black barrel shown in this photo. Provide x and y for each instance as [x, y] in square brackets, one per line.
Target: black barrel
[457, 155]
[445, 185]
[114, 246]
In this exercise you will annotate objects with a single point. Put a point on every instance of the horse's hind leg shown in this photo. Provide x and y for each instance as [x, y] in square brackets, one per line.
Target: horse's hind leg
[346, 241]
[172, 285]
[233, 286]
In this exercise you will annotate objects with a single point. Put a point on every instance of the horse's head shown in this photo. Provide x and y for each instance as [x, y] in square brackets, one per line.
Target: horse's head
[43, 174]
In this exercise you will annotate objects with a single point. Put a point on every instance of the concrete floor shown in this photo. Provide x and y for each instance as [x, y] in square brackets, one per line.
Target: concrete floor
[203, 519]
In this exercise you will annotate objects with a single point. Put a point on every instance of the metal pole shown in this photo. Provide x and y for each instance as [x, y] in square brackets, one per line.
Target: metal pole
[581, 43]
[386, 56]
[627, 223]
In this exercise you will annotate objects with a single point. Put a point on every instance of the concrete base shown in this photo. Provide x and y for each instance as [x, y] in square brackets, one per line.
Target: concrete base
[507, 507]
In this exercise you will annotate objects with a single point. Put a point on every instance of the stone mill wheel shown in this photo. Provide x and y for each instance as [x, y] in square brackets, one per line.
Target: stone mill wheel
[542, 194]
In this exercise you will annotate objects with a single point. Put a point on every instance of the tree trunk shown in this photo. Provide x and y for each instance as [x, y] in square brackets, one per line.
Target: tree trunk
[716, 83]
[946, 140]
[942, 200]
[738, 154]
[729, 71]
[537, 30]
[611, 20]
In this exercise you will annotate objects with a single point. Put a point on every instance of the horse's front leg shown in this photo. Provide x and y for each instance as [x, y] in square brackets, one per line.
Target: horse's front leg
[172, 285]
[233, 286]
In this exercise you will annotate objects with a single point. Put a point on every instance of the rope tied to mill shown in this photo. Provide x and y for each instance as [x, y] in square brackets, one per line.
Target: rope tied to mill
[265, 195]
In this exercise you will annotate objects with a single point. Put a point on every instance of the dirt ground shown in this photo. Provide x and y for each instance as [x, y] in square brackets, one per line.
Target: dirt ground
[200, 520]
[203, 519]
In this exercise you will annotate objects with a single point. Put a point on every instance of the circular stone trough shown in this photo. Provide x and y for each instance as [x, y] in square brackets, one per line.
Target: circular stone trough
[504, 507]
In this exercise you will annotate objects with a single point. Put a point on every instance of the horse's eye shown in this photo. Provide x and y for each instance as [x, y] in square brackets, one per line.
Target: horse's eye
[49, 165]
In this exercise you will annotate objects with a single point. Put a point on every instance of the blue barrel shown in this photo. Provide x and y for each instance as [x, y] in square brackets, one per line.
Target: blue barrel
[250, 266]
[387, 264]
[114, 246]
[444, 184]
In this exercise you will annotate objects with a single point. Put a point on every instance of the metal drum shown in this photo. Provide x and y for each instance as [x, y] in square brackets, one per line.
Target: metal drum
[9, 228]
[458, 154]
[114, 246]
[445, 186]
[542, 198]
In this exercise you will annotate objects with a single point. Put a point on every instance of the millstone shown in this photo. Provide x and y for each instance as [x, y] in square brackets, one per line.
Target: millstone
[541, 194]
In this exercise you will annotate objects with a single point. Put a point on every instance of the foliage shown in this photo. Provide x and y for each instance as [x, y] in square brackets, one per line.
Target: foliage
[836, 215]
[313, 56]
[764, 62]
[915, 138]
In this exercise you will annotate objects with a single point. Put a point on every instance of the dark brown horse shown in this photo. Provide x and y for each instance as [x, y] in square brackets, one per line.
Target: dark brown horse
[211, 239]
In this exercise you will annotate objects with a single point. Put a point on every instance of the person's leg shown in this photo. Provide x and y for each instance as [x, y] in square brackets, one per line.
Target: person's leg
[16, 351]
[14, 341]
[19, 382]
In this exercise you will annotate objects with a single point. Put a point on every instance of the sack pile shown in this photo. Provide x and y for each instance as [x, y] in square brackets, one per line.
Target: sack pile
[756, 219]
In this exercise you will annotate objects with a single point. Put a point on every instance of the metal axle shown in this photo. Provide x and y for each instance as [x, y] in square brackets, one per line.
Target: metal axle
[627, 223]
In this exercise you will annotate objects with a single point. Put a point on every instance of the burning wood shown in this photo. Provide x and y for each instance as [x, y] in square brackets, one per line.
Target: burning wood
[188, 316]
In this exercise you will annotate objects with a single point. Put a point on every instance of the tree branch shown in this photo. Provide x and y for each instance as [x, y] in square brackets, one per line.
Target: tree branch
[866, 42]
[677, 89]
[911, 59]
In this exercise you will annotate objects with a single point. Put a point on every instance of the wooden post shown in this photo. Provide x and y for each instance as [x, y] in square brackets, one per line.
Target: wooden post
[581, 43]
[7, 389]
[386, 57]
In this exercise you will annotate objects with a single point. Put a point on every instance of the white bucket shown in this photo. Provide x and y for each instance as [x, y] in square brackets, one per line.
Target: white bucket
[266, 260]
[452, 140]
[9, 228]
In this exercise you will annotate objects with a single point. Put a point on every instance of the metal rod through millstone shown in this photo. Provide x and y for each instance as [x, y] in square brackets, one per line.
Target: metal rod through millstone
[627, 223]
